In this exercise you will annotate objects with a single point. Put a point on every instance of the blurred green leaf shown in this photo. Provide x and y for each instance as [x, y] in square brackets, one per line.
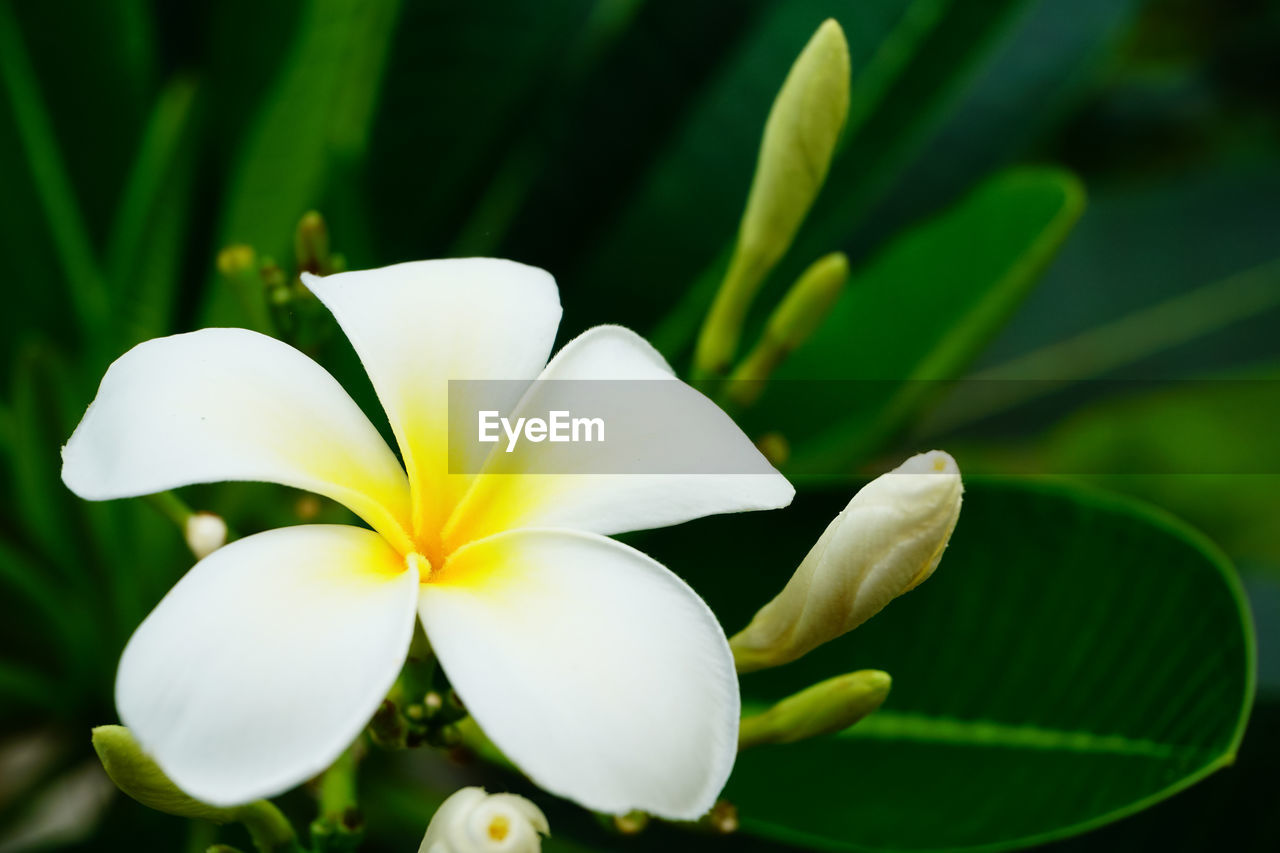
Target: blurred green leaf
[921, 310]
[466, 103]
[314, 123]
[26, 686]
[33, 589]
[1205, 449]
[1142, 245]
[711, 158]
[1075, 658]
[58, 199]
[41, 501]
[144, 252]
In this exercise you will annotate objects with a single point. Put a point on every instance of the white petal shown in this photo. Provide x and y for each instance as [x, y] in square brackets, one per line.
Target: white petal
[230, 404]
[619, 502]
[471, 821]
[267, 659]
[597, 671]
[417, 325]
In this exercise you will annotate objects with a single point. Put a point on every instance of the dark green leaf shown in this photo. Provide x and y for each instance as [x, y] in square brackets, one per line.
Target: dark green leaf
[1075, 658]
[919, 311]
[144, 252]
[61, 209]
[315, 120]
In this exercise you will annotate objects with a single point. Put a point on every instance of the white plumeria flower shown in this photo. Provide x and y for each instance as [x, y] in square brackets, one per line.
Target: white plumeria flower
[596, 670]
[471, 821]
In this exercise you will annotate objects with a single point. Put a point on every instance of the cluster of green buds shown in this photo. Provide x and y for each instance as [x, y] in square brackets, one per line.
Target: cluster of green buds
[420, 709]
[274, 300]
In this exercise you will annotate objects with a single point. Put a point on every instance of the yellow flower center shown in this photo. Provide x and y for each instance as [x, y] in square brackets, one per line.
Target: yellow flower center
[499, 827]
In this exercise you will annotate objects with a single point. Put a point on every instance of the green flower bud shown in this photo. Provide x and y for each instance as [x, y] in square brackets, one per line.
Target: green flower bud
[799, 142]
[888, 540]
[239, 268]
[134, 773]
[793, 322]
[137, 775]
[311, 244]
[825, 708]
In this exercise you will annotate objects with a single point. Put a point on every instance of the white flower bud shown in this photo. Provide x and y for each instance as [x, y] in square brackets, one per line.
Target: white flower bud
[887, 540]
[205, 533]
[472, 821]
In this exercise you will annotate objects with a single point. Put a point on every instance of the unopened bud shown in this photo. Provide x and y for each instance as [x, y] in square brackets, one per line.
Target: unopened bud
[238, 265]
[774, 447]
[796, 150]
[887, 540]
[631, 823]
[311, 244]
[825, 708]
[137, 775]
[134, 773]
[472, 821]
[237, 260]
[793, 322]
[205, 533]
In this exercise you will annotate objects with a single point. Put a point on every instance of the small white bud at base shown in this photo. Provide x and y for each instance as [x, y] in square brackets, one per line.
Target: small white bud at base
[888, 540]
[472, 821]
[205, 533]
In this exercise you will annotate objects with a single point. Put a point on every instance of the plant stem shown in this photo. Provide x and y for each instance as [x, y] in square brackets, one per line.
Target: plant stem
[339, 826]
[171, 507]
[268, 827]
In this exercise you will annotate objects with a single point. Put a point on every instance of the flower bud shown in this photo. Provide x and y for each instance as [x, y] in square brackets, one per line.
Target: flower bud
[887, 540]
[134, 773]
[796, 150]
[792, 323]
[472, 821]
[825, 708]
[311, 244]
[137, 775]
[205, 533]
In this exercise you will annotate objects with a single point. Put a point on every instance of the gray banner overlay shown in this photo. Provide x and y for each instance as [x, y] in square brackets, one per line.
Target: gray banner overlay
[655, 427]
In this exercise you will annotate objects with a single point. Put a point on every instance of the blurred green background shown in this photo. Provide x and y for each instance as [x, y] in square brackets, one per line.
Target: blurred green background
[612, 143]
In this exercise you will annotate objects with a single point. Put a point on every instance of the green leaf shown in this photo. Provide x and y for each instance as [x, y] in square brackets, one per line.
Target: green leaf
[144, 252]
[1075, 658]
[31, 688]
[469, 106]
[39, 427]
[61, 209]
[712, 156]
[1203, 448]
[921, 310]
[314, 124]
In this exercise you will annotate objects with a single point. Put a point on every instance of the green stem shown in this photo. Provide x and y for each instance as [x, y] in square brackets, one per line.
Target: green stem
[338, 787]
[268, 827]
[171, 507]
[339, 827]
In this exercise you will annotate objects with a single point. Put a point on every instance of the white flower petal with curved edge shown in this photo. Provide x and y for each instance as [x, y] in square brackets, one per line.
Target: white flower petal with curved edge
[417, 325]
[611, 503]
[230, 404]
[472, 821]
[601, 674]
[267, 659]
